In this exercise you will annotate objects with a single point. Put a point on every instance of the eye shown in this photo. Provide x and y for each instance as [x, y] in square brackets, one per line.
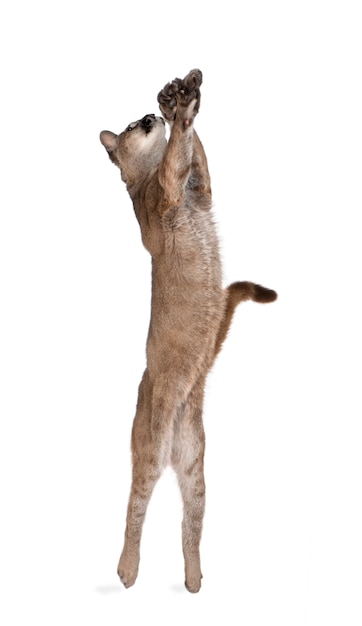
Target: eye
[131, 126]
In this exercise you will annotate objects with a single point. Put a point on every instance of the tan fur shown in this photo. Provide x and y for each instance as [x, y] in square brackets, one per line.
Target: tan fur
[169, 184]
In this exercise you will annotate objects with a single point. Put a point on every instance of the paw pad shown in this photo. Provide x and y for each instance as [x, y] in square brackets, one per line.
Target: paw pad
[182, 93]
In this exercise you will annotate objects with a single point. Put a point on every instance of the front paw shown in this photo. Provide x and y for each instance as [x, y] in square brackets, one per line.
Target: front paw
[167, 99]
[188, 97]
[192, 83]
[182, 96]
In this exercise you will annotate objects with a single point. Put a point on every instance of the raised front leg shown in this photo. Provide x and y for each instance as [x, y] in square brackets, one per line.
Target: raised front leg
[179, 103]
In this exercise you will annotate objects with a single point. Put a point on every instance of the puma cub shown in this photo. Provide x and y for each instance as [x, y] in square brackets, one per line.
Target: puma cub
[169, 184]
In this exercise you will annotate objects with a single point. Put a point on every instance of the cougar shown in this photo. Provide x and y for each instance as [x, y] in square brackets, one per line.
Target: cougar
[169, 184]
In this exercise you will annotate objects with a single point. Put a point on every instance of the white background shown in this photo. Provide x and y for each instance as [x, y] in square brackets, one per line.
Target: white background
[280, 120]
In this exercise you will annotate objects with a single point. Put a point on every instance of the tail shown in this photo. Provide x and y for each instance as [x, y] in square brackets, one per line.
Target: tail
[236, 293]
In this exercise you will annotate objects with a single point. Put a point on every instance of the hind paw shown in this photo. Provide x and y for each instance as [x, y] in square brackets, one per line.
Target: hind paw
[128, 570]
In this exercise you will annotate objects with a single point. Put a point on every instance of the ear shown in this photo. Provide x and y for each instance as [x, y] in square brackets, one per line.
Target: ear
[109, 140]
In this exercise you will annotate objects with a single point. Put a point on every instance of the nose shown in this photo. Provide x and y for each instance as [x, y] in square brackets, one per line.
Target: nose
[147, 121]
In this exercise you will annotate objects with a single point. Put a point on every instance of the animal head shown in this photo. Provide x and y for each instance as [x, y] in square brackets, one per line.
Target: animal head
[138, 149]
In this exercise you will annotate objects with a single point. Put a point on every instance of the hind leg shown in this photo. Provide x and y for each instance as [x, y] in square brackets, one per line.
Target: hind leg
[146, 470]
[188, 463]
[151, 451]
[192, 486]
[144, 480]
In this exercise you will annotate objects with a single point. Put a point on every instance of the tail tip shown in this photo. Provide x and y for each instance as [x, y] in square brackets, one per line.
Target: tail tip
[264, 295]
